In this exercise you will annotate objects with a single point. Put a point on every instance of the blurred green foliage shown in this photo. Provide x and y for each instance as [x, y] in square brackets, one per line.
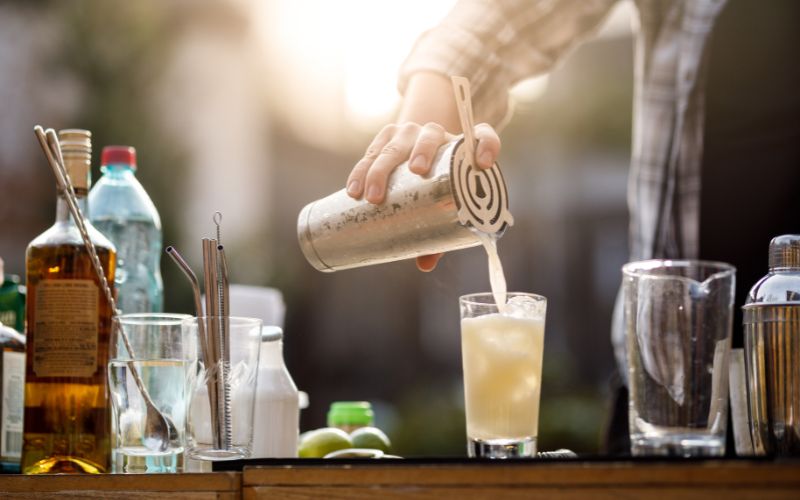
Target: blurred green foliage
[431, 422]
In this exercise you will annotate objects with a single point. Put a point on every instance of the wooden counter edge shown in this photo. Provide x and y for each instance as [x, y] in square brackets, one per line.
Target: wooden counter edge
[220, 482]
[730, 475]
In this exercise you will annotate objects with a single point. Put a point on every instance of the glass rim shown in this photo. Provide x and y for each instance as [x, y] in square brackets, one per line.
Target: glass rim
[471, 298]
[152, 319]
[639, 267]
[239, 320]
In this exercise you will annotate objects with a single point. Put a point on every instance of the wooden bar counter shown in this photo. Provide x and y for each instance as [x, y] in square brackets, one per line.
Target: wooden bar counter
[432, 479]
[216, 485]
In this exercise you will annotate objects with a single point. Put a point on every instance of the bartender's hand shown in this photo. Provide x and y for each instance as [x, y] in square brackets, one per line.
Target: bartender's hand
[428, 100]
[396, 143]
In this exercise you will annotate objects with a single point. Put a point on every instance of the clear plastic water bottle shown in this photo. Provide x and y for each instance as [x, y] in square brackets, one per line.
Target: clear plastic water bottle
[121, 209]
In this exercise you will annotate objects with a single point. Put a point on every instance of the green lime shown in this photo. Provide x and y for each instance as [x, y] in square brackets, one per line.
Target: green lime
[320, 442]
[355, 453]
[370, 437]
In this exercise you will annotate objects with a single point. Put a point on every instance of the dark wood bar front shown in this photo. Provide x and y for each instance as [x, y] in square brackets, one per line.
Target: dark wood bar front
[728, 479]
[210, 486]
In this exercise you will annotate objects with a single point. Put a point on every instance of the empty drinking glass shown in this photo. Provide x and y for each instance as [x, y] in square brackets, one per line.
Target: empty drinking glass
[223, 401]
[678, 320]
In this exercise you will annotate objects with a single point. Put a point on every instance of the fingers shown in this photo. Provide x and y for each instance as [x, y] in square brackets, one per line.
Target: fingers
[395, 144]
[430, 139]
[394, 153]
[427, 263]
[357, 177]
[488, 148]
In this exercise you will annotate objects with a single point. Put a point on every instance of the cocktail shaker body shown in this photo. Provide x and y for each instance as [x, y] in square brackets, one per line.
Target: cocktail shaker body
[421, 215]
[772, 352]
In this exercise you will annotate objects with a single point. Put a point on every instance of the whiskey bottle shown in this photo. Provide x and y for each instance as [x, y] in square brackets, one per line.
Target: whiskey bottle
[67, 407]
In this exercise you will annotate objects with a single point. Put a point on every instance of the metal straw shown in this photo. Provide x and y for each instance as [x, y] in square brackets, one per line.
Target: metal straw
[204, 340]
[213, 370]
[49, 142]
[198, 304]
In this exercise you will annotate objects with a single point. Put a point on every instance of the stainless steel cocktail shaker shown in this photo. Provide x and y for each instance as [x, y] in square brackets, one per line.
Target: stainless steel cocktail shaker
[420, 215]
[772, 351]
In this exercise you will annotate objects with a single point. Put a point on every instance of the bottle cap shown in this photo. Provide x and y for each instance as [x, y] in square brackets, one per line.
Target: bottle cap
[76, 148]
[350, 413]
[271, 333]
[75, 140]
[119, 155]
[784, 251]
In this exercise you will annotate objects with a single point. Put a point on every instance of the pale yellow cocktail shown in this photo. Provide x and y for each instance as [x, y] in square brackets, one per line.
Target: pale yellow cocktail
[502, 361]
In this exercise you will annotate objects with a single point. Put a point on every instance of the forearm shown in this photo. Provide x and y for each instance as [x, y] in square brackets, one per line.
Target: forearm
[429, 98]
[497, 43]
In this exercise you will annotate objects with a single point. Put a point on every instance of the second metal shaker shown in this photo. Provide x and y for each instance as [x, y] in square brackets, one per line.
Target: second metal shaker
[420, 215]
[772, 351]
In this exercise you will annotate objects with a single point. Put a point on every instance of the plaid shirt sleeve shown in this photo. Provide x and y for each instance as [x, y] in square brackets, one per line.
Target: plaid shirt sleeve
[497, 43]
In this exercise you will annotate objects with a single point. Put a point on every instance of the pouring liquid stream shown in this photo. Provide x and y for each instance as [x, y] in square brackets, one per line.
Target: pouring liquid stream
[463, 98]
[497, 278]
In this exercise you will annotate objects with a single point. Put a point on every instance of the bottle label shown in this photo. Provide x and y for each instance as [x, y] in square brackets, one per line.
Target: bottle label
[13, 387]
[9, 318]
[66, 328]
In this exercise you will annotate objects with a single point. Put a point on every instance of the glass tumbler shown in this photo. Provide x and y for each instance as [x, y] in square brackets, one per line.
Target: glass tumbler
[678, 320]
[165, 358]
[223, 399]
[502, 362]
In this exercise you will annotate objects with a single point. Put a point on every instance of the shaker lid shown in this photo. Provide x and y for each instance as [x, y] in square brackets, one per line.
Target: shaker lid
[782, 284]
[784, 251]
